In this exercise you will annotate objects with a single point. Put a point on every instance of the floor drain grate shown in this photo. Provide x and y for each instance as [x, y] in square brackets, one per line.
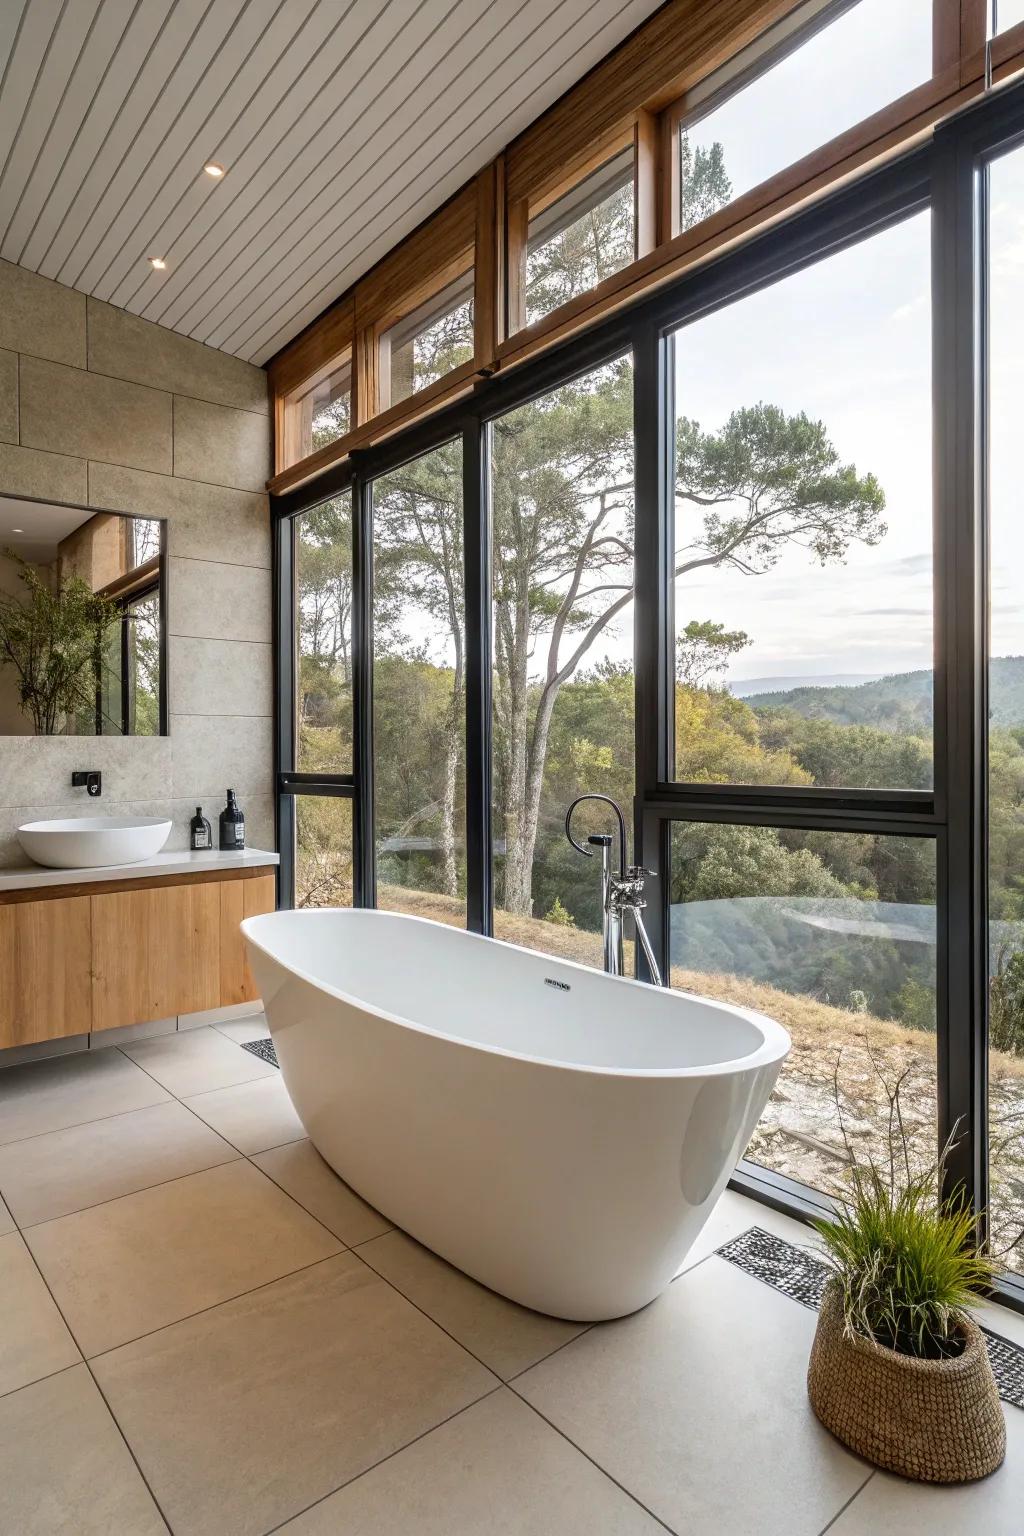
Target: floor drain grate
[799, 1274]
[264, 1049]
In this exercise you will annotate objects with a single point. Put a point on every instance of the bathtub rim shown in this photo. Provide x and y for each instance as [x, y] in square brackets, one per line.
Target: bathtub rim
[775, 1043]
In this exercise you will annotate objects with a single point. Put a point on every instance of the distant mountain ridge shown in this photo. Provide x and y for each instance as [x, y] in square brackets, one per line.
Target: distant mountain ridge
[900, 702]
[744, 687]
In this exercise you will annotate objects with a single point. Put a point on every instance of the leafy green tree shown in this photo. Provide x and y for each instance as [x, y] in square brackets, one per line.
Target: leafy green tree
[580, 256]
[767, 481]
[704, 185]
[52, 637]
[324, 594]
[704, 650]
[841, 756]
[418, 566]
[723, 862]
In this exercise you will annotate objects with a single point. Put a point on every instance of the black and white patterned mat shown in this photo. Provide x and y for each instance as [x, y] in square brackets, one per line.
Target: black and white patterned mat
[264, 1049]
[801, 1275]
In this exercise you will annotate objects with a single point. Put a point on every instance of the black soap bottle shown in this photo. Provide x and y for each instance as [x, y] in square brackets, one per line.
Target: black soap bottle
[232, 824]
[200, 831]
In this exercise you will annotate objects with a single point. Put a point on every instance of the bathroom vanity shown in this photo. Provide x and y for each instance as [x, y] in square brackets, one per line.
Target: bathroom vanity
[92, 949]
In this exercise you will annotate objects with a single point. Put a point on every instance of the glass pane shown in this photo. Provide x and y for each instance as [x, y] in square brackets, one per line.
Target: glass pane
[319, 412]
[143, 652]
[143, 536]
[562, 508]
[1006, 710]
[581, 238]
[1010, 13]
[430, 342]
[419, 687]
[323, 604]
[803, 527]
[323, 851]
[871, 54]
[833, 935]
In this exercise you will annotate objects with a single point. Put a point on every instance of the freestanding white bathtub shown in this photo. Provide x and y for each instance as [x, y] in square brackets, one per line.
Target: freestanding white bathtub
[558, 1134]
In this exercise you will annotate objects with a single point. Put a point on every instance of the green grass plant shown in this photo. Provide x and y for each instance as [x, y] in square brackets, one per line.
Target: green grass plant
[907, 1267]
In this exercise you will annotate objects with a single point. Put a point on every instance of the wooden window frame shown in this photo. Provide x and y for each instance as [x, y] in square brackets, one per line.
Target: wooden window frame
[374, 338]
[520, 212]
[309, 358]
[292, 429]
[640, 90]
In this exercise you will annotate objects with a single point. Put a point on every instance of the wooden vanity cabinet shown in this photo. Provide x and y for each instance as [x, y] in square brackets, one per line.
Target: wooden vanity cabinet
[97, 956]
[45, 960]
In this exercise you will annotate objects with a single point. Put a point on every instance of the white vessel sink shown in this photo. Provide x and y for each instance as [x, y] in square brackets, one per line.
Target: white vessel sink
[89, 842]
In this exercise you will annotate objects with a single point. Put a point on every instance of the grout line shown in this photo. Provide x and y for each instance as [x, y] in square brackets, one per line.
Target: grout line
[594, 1463]
[158, 389]
[214, 1306]
[49, 1375]
[183, 394]
[252, 1156]
[390, 1455]
[844, 1507]
[96, 1205]
[99, 1389]
[241, 565]
[76, 1124]
[589, 1327]
[398, 1290]
[129, 1447]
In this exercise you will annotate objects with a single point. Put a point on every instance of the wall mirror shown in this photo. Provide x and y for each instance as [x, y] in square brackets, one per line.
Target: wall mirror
[83, 599]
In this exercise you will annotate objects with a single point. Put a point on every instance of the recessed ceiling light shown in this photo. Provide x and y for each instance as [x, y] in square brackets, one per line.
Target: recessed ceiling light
[157, 263]
[17, 530]
[214, 170]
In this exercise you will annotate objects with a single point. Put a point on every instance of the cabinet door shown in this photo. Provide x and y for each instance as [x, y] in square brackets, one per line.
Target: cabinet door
[155, 953]
[240, 899]
[44, 970]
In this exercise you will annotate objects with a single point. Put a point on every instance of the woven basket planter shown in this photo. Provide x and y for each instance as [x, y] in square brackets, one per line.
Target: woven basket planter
[937, 1421]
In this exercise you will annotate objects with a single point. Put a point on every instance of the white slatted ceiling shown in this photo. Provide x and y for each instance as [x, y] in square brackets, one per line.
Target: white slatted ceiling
[343, 123]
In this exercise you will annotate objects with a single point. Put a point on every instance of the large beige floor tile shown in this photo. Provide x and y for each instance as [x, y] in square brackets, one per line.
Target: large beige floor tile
[245, 1415]
[64, 1468]
[251, 1116]
[736, 1213]
[196, 1061]
[33, 1339]
[299, 1169]
[124, 1268]
[497, 1469]
[63, 1171]
[993, 1507]
[48, 1095]
[6, 1220]
[698, 1407]
[506, 1337]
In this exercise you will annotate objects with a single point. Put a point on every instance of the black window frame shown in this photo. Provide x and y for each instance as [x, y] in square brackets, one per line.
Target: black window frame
[946, 176]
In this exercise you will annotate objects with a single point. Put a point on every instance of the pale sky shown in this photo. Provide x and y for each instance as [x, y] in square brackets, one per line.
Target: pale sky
[849, 342]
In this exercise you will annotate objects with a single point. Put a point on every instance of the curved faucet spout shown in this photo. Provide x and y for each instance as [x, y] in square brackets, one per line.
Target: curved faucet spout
[607, 800]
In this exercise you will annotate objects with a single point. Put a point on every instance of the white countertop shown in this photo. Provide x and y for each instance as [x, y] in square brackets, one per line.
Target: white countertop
[24, 877]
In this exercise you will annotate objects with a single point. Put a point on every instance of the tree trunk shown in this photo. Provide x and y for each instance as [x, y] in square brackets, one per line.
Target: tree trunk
[512, 644]
[452, 758]
[520, 898]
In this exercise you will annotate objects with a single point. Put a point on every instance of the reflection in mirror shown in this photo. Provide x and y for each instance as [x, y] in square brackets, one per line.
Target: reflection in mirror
[81, 621]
